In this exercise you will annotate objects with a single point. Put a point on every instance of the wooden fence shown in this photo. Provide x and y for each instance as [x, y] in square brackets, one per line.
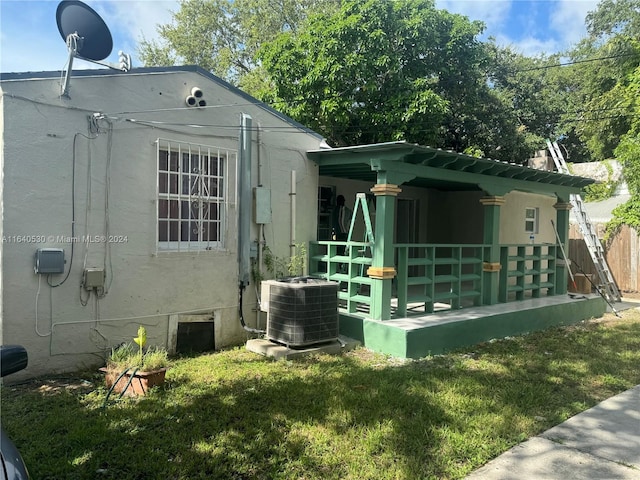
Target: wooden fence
[622, 253]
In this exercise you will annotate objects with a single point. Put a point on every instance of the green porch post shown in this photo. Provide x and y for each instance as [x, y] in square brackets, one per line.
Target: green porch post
[382, 270]
[491, 237]
[562, 225]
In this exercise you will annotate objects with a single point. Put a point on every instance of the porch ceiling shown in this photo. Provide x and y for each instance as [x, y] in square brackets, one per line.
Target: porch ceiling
[429, 167]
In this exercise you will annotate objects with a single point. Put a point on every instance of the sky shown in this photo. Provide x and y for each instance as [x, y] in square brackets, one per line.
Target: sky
[30, 41]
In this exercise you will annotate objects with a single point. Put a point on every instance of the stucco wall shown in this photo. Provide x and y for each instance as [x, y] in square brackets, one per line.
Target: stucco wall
[512, 218]
[147, 286]
[458, 217]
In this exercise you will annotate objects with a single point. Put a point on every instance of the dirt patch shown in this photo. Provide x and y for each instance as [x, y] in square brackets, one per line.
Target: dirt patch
[55, 386]
[631, 295]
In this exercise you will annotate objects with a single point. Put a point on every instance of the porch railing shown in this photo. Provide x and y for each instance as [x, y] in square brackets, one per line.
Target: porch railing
[345, 263]
[431, 274]
[433, 277]
[526, 271]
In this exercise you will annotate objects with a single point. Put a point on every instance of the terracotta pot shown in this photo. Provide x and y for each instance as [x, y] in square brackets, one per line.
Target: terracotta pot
[140, 385]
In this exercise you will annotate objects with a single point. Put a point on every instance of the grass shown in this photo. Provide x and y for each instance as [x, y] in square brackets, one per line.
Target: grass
[236, 415]
[127, 356]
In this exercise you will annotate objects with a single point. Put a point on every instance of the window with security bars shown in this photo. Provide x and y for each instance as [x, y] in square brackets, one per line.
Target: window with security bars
[191, 196]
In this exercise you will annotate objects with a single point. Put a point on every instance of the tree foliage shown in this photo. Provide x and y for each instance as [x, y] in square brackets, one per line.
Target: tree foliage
[381, 70]
[628, 153]
[222, 36]
[367, 71]
[536, 92]
[600, 111]
[608, 90]
[614, 18]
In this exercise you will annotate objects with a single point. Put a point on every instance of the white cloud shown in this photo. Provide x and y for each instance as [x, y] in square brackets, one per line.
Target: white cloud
[30, 40]
[132, 20]
[529, 45]
[568, 20]
[529, 26]
[494, 13]
[138, 17]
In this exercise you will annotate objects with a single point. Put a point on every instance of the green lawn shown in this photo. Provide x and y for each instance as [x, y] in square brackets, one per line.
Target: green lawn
[236, 415]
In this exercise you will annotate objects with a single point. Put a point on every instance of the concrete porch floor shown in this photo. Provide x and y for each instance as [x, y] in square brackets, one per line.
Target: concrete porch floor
[419, 336]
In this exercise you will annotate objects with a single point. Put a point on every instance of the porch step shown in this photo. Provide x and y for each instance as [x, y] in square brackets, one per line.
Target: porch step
[434, 333]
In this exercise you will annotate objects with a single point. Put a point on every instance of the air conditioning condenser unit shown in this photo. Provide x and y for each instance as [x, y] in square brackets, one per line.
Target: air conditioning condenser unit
[301, 311]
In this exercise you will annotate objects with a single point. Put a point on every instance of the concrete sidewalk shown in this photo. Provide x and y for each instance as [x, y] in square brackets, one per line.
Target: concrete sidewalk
[600, 443]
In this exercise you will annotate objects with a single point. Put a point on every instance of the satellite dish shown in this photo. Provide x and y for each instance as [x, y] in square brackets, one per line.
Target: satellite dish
[94, 41]
[87, 37]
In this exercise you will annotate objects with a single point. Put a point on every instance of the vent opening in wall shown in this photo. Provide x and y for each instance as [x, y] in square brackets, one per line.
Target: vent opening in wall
[196, 98]
[195, 337]
[302, 311]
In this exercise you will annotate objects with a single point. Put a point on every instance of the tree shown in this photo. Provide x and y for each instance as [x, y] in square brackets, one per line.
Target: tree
[600, 111]
[381, 70]
[534, 89]
[609, 90]
[628, 153]
[222, 36]
[614, 17]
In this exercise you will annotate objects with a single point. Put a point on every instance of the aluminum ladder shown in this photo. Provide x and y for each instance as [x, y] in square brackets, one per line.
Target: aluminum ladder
[361, 201]
[607, 282]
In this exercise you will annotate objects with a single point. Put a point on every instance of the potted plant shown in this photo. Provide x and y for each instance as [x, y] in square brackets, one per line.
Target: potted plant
[132, 370]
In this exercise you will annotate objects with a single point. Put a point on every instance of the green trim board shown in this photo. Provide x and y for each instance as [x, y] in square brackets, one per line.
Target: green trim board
[438, 333]
[429, 167]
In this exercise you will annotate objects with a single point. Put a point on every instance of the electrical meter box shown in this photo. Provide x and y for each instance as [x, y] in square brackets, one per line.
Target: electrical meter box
[262, 205]
[93, 278]
[49, 260]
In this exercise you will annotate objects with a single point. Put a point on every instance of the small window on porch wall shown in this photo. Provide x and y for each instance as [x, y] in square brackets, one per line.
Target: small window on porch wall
[531, 217]
[191, 196]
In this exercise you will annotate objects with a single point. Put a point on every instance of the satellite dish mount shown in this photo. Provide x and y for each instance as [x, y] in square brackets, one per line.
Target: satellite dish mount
[87, 38]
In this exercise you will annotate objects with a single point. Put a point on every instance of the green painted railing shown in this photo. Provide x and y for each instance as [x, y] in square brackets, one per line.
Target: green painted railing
[429, 274]
[526, 271]
[347, 264]
[435, 276]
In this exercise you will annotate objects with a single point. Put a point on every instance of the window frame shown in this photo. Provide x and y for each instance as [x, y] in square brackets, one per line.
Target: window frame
[184, 214]
[534, 220]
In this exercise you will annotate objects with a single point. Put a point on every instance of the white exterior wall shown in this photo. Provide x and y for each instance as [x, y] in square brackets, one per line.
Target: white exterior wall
[512, 218]
[457, 217]
[148, 287]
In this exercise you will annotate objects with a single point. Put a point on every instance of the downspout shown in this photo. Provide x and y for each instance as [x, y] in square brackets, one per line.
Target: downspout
[260, 229]
[292, 234]
[244, 215]
[244, 202]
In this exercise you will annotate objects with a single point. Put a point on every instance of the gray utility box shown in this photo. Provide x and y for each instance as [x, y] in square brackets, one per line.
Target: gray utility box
[301, 311]
[49, 261]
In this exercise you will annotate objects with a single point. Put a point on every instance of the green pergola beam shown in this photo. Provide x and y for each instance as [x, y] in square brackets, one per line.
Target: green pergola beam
[432, 164]
[491, 181]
